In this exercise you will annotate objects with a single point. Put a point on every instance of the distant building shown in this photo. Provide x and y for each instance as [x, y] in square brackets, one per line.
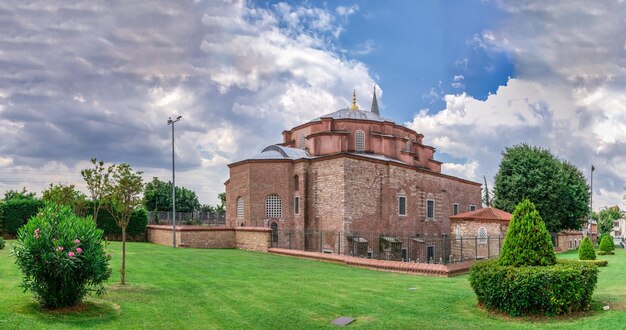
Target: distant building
[351, 172]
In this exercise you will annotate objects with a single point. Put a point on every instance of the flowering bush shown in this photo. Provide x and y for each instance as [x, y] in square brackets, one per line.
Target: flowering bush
[62, 257]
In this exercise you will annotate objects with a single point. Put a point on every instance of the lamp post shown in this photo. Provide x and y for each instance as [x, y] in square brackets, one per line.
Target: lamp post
[591, 205]
[171, 121]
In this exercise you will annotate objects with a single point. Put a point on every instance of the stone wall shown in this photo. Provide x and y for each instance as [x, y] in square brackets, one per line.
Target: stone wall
[466, 245]
[566, 241]
[245, 238]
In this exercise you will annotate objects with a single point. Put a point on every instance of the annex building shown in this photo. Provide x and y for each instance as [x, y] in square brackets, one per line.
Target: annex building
[355, 174]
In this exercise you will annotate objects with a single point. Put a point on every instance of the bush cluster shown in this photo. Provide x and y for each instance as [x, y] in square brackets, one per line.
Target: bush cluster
[548, 290]
[14, 213]
[136, 226]
[62, 257]
[606, 245]
[599, 262]
[527, 241]
[585, 250]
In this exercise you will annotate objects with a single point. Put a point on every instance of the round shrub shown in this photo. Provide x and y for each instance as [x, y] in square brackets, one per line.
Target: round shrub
[62, 257]
[1, 243]
[606, 243]
[527, 241]
[585, 250]
[549, 290]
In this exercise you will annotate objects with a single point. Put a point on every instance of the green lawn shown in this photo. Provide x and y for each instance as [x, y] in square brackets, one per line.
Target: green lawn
[232, 289]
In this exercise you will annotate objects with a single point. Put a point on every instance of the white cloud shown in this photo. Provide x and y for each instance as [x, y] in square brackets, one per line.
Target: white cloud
[567, 95]
[83, 81]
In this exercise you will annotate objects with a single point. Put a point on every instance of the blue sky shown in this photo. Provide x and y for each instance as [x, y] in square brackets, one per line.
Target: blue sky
[88, 79]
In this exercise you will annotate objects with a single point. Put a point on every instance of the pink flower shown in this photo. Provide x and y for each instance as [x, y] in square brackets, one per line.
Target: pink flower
[76, 241]
[37, 233]
[59, 248]
[70, 254]
[79, 250]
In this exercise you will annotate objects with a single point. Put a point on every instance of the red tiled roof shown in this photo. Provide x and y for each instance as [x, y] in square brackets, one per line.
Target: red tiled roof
[488, 213]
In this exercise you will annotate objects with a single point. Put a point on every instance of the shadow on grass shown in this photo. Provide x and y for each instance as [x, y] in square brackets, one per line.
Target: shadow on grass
[92, 311]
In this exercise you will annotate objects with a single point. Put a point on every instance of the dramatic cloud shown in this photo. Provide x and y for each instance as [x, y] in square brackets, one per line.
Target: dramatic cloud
[99, 79]
[568, 94]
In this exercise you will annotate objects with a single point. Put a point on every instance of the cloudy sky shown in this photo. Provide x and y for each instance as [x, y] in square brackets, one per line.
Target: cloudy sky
[83, 79]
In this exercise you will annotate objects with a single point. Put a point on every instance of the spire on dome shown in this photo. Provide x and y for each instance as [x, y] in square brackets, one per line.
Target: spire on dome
[354, 106]
[374, 108]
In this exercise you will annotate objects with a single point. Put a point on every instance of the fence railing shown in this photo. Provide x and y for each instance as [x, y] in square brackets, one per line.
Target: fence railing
[187, 218]
[422, 249]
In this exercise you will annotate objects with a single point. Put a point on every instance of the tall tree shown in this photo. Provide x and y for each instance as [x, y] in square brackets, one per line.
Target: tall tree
[606, 218]
[487, 199]
[97, 180]
[63, 195]
[123, 197]
[158, 196]
[558, 189]
[221, 208]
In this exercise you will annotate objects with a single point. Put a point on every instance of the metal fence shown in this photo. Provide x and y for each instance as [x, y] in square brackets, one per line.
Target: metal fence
[427, 249]
[187, 218]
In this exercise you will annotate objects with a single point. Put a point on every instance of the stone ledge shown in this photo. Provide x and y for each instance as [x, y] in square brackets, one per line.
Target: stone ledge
[384, 265]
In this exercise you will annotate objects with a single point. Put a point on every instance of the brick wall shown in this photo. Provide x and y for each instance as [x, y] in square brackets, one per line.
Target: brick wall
[470, 247]
[245, 238]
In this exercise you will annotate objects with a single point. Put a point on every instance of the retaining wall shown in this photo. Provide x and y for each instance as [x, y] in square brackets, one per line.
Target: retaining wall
[245, 238]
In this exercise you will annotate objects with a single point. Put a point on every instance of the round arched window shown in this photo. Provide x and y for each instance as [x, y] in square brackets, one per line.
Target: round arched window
[482, 235]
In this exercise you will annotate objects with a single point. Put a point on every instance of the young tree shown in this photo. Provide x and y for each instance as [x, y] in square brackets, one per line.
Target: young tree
[558, 189]
[63, 195]
[585, 250]
[527, 241]
[97, 179]
[123, 196]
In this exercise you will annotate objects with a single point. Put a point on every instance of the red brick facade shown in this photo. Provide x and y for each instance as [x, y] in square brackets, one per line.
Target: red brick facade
[340, 190]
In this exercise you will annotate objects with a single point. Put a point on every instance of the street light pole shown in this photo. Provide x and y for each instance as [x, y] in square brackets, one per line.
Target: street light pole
[591, 205]
[171, 121]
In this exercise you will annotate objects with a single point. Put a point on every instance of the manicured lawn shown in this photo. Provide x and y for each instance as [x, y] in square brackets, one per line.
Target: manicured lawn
[232, 289]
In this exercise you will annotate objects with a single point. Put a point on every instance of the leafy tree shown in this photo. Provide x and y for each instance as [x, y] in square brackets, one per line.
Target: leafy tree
[158, 197]
[14, 194]
[527, 241]
[97, 179]
[123, 196]
[557, 188]
[221, 208]
[585, 250]
[67, 196]
[606, 218]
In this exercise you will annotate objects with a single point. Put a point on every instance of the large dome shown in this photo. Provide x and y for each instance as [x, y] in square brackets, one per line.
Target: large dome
[348, 113]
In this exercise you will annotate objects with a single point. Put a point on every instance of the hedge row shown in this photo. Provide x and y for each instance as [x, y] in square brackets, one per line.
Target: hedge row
[548, 290]
[14, 213]
[597, 262]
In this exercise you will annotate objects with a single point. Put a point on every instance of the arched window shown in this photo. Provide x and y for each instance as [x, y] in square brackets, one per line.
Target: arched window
[239, 207]
[408, 144]
[457, 232]
[273, 207]
[482, 235]
[360, 141]
[302, 143]
[296, 183]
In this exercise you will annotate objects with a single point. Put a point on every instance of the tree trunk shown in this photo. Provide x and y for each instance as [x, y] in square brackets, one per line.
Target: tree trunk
[123, 282]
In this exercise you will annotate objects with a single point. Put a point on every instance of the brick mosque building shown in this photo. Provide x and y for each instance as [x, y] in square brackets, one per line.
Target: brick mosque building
[352, 173]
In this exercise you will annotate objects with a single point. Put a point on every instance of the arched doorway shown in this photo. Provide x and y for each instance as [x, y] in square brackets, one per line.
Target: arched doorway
[274, 227]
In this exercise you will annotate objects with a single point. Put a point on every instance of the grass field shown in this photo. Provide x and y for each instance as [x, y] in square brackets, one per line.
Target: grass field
[233, 289]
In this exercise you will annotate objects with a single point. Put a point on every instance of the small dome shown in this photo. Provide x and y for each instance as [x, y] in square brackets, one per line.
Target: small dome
[281, 152]
[353, 114]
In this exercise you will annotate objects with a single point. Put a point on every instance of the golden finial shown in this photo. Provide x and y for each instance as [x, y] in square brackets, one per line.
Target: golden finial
[354, 106]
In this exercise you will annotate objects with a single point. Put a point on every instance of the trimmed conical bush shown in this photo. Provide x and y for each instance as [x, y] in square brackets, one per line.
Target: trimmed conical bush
[527, 241]
[585, 251]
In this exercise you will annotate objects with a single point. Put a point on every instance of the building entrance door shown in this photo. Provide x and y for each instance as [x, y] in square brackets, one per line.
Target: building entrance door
[430, 254]
[274, 227]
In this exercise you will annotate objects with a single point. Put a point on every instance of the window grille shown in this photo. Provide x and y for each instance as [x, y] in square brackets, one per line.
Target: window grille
[457, 232]
[360, 141]
[273, 207]
[430, 209]
[239, 207]
[482, 235]
[296, 205]
[401, 205]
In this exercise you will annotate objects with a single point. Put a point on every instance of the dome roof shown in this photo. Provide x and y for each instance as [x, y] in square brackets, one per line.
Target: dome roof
[281, 152]
[353, 114]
